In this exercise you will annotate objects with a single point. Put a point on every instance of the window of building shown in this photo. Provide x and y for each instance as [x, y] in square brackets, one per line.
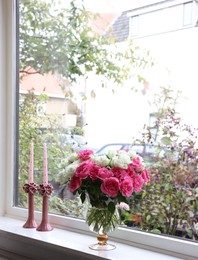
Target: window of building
[41, 108]
[134, 24]
[161, 19]
[187, 14]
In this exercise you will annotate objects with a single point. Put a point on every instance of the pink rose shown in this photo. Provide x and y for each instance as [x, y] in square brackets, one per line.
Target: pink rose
[110, 186]
[145, 175]
[123, 206]
[118, 172]
[126, 186]
[138, 181]
[74, 184]
[104, 173]
[85, 154]
[93, 171]
[83, 170]
[137, 164]
[131, 170]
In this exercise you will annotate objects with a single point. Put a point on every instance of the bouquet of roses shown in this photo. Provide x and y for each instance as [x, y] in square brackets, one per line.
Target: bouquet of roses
[106, 179]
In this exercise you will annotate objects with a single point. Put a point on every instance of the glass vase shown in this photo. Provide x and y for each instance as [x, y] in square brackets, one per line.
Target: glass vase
[102, 221]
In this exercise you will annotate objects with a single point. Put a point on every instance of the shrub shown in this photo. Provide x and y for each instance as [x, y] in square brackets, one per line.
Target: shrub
[168, 204]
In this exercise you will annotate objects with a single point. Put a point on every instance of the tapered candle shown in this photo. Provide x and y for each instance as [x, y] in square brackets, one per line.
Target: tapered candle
[31, 166]
[45, 172]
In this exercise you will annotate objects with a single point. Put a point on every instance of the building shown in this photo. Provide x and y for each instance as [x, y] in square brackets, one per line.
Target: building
[169, 30]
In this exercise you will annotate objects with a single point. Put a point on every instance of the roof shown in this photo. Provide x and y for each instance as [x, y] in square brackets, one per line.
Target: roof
[47, 83]
[120, 28]
[102, 21]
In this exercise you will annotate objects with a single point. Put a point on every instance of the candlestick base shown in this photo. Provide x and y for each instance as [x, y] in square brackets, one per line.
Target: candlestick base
[30, 223]
[44, 227]
[45, 191]
[30, 188]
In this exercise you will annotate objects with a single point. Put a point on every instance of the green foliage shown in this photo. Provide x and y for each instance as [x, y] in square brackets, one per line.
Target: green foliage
[68, 207]
[168, 204]
[77, 130]
[102, 220]
[31, 130]
[54, 39]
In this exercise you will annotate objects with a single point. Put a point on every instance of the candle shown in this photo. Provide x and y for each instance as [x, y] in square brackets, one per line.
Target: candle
[31, 166]
[45, 173]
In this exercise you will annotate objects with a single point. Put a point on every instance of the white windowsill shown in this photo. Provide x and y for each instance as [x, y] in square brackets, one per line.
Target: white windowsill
[22, 241]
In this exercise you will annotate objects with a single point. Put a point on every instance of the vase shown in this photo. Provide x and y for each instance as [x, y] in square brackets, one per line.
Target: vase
[102, 221]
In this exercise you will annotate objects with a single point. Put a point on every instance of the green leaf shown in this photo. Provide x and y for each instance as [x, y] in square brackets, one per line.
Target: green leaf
[111, 207]
[156, 231]
[83, 197]
[166, 140]
[148, 217]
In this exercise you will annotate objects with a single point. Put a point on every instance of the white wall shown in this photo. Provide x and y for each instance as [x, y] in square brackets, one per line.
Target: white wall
[177, 56]
[7, 102]
[115, 117]
[121, 116]
[2, 105]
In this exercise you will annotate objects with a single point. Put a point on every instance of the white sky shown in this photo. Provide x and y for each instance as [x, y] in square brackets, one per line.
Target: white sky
[111, 5]
[108, 5]
[115, 5]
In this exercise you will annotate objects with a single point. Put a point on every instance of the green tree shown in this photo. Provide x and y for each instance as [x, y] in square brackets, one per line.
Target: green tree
[60, 40]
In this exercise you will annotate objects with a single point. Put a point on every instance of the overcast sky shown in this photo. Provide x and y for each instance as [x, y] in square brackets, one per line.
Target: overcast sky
[107, 6]
[115, 5]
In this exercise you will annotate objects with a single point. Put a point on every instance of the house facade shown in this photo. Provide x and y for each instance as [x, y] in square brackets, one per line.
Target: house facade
[57, 102]
[149, 18]
[169, 31]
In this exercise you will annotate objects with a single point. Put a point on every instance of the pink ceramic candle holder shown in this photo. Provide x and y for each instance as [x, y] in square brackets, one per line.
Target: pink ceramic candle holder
[45, 191]
[30, 188]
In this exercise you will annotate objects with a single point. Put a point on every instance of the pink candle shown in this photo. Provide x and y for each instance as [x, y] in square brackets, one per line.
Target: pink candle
[45, 173]
[31, 166]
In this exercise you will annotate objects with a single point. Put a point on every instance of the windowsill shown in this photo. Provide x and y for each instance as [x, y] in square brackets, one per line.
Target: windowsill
[24, 242]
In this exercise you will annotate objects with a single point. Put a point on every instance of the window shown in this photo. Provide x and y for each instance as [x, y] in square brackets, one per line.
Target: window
[187, 14]
[134, 21]
[41, 108]
[121, 233]
[160, 18]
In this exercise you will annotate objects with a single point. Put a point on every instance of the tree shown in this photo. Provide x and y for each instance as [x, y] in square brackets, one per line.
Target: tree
[61, 40]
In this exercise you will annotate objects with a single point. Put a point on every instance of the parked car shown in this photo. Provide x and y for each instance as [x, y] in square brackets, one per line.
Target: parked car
[147, 152]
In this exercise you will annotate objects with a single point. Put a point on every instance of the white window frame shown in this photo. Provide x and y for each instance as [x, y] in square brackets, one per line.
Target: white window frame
[162, 9]
[134, 26]
[168, 245]
[187, 10]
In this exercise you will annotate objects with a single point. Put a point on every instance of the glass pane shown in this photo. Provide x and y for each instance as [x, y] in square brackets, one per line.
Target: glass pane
[134, 26]
[83, 88]
[187, 16]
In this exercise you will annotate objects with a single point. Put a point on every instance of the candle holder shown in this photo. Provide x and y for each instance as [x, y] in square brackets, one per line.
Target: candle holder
[45, 191]
[30, 188]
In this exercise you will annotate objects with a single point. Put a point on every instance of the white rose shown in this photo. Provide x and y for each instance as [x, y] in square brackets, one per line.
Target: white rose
[111, 153]
[72, 157]
[102, 160]
[70, 169]
[122, 160]
[132, 154]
